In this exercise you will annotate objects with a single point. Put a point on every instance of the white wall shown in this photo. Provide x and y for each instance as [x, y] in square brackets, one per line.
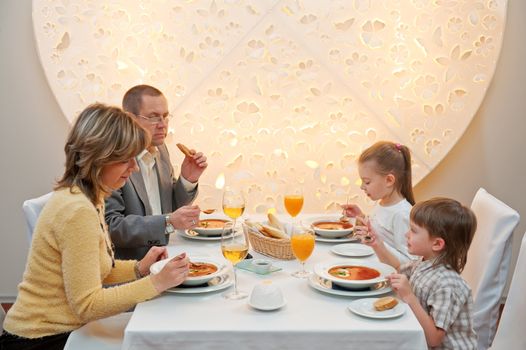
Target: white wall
[33, 130]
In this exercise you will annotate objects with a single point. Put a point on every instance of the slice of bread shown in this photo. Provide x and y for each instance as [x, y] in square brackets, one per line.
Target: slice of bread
[273, 232]
[274, 222]
[187, 152]
[385, 303]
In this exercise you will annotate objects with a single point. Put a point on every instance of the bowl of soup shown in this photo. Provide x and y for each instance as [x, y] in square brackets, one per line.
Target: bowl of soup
[353, 273]
[200, 272]
[332, 228]
[210, 227]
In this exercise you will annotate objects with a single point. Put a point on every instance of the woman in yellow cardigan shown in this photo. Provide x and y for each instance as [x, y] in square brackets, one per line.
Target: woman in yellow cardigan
[71, 267]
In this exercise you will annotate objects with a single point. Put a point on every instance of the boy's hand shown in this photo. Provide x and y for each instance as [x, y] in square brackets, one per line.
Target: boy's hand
[401, 286]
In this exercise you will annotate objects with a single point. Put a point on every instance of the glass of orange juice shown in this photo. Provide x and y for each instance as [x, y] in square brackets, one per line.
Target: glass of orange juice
[302, 243]
[293, 200]
[234, 246]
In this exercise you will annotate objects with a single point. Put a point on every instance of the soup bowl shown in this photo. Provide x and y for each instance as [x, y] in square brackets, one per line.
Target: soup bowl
[332, 228]
[210, 227]
[353, 273]
[202, 269]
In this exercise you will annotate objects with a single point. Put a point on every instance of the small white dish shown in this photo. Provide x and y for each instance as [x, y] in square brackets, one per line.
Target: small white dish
[261, 266]
[353, 250]
[326, 286]
[267, 307]
[365, 308]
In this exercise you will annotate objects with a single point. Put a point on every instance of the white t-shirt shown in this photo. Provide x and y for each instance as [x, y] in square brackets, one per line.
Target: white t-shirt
[391, 223]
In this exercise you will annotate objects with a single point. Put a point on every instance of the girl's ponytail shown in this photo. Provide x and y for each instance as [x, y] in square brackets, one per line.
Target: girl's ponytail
[406, 179]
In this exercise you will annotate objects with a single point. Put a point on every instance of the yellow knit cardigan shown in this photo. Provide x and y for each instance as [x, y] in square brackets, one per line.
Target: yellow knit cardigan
[68, 264]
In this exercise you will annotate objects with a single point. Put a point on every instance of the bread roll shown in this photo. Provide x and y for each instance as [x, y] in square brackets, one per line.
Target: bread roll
[274, 222]
[385, 303]
[273, 232]
[187, 152]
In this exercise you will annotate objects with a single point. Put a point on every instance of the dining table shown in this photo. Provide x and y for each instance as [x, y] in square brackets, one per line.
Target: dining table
[310, 319]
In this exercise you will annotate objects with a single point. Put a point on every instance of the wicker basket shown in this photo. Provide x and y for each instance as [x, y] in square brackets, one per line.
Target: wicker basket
[276, 248]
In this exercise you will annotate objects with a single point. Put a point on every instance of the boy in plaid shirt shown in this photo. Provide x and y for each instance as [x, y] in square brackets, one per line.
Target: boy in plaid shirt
[441, 231]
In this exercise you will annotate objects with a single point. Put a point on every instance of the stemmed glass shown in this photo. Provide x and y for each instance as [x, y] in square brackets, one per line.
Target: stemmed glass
[233, 202]
[293, 200]
[234, 246]
[302, 243]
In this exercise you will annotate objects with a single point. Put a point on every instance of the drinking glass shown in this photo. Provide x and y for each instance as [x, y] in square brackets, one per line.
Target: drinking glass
[233, 202]
[293, 200]
[234, 246]
[302, 243]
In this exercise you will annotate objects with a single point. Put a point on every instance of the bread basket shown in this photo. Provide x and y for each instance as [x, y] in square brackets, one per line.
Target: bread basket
[276, 248]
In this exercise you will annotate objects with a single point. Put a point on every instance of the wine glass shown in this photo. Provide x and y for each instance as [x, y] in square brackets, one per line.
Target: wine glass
[234, 246]
[293, 200]
[302, 243]
[233, 202]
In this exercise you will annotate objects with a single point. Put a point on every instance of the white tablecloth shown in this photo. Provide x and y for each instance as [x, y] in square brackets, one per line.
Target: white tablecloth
[310, 319]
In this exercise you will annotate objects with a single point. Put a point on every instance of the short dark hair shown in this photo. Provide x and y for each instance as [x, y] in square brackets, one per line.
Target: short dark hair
[447, 219]
[132, 100]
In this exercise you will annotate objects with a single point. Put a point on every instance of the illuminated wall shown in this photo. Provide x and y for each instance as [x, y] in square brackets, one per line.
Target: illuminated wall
[279, 92]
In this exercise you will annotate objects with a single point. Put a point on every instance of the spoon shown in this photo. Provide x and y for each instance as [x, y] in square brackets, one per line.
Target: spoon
[208, 211]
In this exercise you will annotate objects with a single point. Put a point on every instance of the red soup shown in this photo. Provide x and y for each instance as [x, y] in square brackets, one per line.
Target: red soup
[353, 273]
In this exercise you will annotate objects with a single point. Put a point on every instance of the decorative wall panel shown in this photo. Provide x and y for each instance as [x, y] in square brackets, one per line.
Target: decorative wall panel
[279, 92]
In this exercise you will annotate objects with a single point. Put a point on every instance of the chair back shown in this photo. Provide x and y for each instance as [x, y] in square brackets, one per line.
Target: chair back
[103, 334]
[32, 209]
[509, 334]
[488, 262]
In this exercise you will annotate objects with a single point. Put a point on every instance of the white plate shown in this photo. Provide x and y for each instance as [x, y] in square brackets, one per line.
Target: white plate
[352, 250]
[345, 239]
[326, 286]
[203, 231]
[364, 307]
[218, 283]
[194, 281]
[198, 237]
[267, 308]
[331, 233]
[322, 269]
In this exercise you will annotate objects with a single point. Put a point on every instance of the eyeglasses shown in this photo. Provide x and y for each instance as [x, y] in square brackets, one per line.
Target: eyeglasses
[156, 118]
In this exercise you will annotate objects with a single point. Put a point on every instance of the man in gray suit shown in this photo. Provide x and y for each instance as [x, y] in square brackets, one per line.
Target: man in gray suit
[153, 202]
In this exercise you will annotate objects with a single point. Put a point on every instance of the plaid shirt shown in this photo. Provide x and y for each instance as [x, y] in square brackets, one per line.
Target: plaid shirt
[447, 298]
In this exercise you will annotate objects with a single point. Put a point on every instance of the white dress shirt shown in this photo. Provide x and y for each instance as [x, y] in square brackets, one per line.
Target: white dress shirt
[146, 160]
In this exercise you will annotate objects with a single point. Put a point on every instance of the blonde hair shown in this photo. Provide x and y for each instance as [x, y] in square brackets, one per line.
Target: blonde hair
[101, 135]
[454, 223]
[392, 158]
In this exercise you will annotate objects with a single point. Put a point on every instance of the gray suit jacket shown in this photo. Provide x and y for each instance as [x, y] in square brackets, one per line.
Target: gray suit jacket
[132, 226]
